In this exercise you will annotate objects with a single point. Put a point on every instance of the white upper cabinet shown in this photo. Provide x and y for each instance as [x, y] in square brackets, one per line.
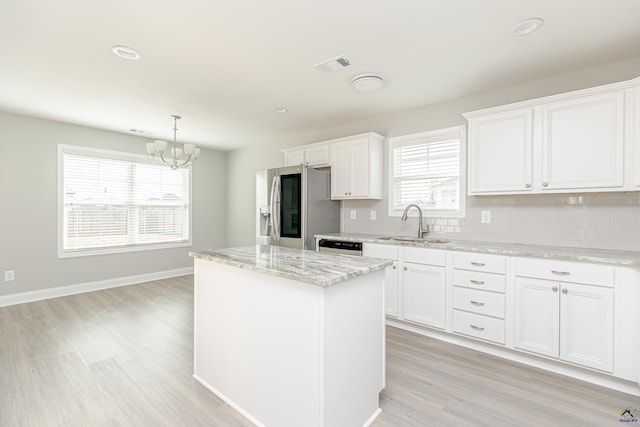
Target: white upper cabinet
[500, 150]
[355, 161]
[311, 155]
[573, 142]
[356, 167]
[582, 143]
[635, 119]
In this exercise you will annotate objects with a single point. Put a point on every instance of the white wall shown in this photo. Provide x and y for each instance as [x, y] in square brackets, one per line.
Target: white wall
[28, 210]
[598, 221]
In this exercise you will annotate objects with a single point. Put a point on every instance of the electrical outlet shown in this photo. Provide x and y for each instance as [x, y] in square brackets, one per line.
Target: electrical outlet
[9, 276]
[353, 214]
[372, 215]
[485, 217]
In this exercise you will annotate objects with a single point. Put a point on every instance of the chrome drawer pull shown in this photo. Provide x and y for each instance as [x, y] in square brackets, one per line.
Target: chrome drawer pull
[479, 304]
[560, 273]
[477, 328]
[478, 264]
[477, 282]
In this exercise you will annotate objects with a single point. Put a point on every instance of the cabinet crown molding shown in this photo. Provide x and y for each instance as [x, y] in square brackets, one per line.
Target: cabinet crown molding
[535, 102]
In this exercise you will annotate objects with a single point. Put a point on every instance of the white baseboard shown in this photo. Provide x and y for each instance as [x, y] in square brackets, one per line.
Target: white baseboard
[63, 291]
[557, 367]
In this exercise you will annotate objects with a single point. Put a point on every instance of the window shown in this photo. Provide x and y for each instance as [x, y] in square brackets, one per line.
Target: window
[427, 169]
[118, 202]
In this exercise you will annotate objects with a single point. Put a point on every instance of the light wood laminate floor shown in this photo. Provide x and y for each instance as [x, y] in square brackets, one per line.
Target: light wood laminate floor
[123, 357]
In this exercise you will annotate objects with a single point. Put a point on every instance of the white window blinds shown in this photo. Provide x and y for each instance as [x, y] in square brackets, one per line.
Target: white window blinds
[115, 200]
[425, 170]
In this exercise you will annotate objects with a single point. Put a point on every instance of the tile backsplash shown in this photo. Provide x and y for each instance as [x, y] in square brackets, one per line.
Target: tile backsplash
[600, 220]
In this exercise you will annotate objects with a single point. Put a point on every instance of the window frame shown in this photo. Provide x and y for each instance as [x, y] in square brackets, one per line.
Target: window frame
[111, 155]
[431, 136]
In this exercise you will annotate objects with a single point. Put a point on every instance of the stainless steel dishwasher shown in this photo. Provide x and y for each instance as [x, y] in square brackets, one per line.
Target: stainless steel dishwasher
[340, 247]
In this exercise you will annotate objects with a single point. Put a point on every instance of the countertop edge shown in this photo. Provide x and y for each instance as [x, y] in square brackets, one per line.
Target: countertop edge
[599, 256]
[344, 267]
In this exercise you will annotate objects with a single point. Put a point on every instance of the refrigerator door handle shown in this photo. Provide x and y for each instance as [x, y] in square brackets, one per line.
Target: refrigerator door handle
[275, 208]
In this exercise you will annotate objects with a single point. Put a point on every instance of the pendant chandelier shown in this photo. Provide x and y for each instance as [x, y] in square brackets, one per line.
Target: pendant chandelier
[174, 157]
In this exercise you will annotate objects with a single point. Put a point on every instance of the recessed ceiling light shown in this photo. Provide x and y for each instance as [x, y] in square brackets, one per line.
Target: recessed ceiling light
[525, 27]
[367, 82]
[281, 110]
[125, 52]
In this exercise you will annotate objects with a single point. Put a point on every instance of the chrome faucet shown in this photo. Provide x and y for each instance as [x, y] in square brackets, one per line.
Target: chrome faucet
[421, 231]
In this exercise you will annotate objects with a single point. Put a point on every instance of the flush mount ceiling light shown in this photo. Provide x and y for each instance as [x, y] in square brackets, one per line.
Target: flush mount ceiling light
[125, 52]
[177, 157]
[525, 27]
[367, 82]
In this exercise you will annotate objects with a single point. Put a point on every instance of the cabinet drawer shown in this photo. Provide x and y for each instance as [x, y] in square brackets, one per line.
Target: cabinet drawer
[480, 262]
[565, 271]
[478, 326]
[481, 302]
[380, 251]
[425, 256]
[478, 280]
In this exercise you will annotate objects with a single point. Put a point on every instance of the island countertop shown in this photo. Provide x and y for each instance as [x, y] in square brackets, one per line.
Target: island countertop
[302, 265]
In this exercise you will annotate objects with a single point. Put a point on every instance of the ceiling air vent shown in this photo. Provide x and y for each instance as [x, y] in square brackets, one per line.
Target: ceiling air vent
[334, 64]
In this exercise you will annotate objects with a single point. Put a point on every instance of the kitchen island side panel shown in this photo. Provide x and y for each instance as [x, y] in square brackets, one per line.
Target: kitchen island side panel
[286, 353]
[257, 343]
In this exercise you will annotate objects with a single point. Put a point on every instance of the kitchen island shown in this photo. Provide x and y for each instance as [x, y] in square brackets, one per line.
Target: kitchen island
[291, 337]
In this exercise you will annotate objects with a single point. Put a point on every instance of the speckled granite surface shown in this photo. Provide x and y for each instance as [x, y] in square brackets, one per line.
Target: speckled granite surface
[625, 258]
[296, 264]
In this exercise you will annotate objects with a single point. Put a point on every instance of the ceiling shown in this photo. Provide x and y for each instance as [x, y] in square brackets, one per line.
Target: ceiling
[225, 66]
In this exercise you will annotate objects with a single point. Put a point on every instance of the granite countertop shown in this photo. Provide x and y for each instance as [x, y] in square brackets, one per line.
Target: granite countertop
[304, 266]
[601, 256]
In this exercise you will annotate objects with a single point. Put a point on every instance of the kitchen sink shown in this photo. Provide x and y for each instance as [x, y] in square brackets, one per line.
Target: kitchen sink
[413, 239]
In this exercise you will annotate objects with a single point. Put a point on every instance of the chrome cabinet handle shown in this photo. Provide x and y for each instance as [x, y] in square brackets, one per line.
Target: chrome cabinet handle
[479, 304]
[394, 267]
[545, 184]
[477, 282]
[527, 185]
[405, 269]
[478, 264]
[477, 328]
[560, 273]
[565, 291]
[554, 289]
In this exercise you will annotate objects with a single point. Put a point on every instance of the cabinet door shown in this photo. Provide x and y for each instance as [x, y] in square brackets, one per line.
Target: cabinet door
[359, 168]
[340, 167]
[586, 326]
[317, 156]
[500, 152]
[391, 275]
[391, 291]
[582, 143]
[636, 135]
[424, 294]
[537, 316]
[293, 158]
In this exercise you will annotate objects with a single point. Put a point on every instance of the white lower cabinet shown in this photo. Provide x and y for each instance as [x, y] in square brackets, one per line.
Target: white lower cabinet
[424, 294]
[479, 296]
[391, 275]
[570, 321]
[415, 285]
[561, 310]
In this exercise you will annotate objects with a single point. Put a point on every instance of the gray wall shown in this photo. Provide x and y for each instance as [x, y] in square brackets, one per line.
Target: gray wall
[596, 221]
[28, 214]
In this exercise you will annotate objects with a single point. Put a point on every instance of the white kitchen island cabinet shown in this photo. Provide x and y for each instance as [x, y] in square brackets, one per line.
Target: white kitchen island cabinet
[290, 337]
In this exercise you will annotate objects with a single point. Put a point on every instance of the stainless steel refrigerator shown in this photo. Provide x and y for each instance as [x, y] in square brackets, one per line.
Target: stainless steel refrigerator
[294, 204]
